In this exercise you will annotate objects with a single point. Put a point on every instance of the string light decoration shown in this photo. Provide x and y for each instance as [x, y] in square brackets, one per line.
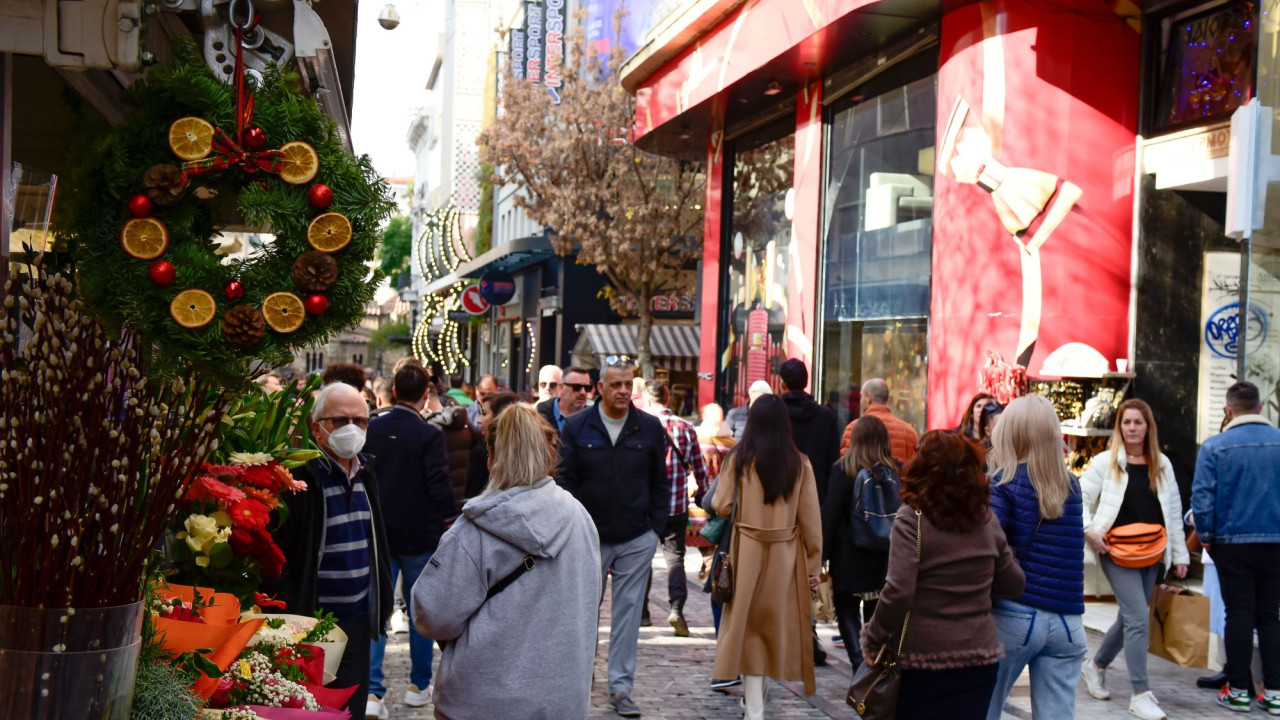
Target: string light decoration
[533, 346]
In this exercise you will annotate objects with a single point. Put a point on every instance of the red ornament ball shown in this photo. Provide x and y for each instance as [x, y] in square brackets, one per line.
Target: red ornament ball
[162, 272]
[234, 290]
[255, 138]
[139, 206]
[320, 196]
[316, 304]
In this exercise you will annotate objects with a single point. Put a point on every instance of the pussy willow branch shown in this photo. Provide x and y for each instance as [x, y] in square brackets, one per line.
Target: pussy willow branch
[95, 455]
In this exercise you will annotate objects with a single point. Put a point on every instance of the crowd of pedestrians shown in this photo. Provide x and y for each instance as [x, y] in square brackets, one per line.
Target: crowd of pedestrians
[956, 558]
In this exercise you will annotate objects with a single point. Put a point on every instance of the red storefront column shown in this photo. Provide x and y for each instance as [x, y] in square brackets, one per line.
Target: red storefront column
[1038, 107]
[802, 290]
[709, 293]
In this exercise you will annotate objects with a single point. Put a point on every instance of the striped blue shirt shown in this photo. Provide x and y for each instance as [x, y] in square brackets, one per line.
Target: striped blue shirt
[342, 582]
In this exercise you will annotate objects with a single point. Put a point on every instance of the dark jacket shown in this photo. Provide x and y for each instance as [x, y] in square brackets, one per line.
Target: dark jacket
[813, 428]
[477, 472]
[301, 539]
[1051, 552]
[413, 470]
[546, 409]
[853, 570]
[624, 486]
[459, 439]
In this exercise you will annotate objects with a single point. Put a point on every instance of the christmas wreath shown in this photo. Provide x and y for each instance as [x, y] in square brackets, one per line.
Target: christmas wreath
[197, 156]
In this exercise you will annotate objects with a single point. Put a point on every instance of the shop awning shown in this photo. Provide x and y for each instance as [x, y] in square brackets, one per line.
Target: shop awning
[674, 347]
[511, 257]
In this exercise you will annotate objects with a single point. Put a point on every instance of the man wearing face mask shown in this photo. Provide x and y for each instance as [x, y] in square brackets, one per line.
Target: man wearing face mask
[336, 555]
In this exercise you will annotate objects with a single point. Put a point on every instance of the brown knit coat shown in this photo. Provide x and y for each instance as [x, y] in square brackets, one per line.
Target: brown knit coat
[765, 628]
[948, 592]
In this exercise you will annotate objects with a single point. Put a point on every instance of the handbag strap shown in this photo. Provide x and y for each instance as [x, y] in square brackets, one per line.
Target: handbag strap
[902, 638]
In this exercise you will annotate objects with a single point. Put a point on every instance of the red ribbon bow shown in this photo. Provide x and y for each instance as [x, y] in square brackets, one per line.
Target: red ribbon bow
[227, 153]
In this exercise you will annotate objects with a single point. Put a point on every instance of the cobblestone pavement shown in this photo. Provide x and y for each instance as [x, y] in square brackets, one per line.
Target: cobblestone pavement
[672, 675]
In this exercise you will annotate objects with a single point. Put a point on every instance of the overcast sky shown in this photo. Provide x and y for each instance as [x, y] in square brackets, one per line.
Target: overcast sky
[392, 67]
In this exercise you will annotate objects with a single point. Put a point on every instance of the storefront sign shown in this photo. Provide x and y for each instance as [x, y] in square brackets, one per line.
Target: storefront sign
[1224, 331]
[534, 27]
[516, 49]
[472, 301]
[1188, 157]
[553, 50]
[497, 287]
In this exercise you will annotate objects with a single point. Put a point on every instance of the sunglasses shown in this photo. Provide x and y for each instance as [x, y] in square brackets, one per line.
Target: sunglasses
[618, 360]
[549, 385]
[578, 387]
[339, 421]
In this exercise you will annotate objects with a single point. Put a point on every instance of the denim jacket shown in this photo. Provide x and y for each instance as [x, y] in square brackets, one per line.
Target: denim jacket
[1236, 494]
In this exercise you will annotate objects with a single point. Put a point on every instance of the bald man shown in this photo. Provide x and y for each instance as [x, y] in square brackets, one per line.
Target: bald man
[875, 402]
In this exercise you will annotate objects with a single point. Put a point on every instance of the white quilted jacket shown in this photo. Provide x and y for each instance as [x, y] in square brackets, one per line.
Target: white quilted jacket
[1103, 489]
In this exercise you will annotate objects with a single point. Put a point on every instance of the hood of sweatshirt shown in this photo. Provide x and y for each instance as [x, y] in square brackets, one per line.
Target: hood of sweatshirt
[800, 405]
[535, 518]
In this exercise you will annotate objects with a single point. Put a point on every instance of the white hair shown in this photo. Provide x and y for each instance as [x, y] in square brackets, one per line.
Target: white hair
[322, 398]
[546, 372]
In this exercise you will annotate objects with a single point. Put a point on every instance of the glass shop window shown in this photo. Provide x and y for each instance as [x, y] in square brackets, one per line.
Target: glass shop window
[879, 229]
[1206, 64]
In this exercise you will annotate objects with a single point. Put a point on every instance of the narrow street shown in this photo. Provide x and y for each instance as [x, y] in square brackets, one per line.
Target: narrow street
[672, 674]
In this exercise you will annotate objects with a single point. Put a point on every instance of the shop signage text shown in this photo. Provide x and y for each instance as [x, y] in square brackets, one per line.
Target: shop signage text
[553, 54]
[662, 303]
[517, 52]
[497, 287]
[533, 35]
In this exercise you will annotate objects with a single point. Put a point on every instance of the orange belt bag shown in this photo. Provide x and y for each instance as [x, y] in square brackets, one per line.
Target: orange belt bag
[1137, 545]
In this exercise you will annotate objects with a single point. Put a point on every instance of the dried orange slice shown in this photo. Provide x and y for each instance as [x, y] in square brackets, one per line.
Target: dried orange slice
[283, 312]
[193, 308]
[191, 138]
[300, 162]
[144, 238]
[329, 232]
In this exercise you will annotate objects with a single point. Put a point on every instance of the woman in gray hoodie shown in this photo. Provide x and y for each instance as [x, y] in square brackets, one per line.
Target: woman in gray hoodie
[514, 588]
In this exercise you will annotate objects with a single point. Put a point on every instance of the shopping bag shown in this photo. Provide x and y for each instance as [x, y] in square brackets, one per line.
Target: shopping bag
[1179, 626]
[824, 601]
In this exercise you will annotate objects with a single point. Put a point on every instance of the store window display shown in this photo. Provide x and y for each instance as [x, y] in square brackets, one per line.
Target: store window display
[879, 209]
[759, 262]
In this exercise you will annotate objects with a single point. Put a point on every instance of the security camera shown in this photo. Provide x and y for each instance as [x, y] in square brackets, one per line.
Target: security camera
[389, 19]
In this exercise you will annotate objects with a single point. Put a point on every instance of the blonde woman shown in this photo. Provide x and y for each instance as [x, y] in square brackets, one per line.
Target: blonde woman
[514, 582]
[1131, 482]
[1038, 504]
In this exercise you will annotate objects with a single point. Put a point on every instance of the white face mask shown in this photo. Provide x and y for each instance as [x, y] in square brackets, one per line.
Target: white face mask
[347, 441]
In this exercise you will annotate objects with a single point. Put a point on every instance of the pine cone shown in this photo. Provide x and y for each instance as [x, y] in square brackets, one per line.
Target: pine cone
[243, 326]
[315, 271]
[163, 185]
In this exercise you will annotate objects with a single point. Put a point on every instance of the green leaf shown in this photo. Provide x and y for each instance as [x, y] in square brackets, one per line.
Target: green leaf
[220, 555]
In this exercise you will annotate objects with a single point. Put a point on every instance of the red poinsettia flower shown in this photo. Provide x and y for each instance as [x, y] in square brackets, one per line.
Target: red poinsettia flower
[250, 513]
[266, 601]
[207, 488]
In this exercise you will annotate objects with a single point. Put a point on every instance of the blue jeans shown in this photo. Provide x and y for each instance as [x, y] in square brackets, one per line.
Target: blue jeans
[1052, 644]
[419, 647]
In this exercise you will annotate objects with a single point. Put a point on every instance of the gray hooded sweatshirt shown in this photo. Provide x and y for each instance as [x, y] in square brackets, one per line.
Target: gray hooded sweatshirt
[528, 652]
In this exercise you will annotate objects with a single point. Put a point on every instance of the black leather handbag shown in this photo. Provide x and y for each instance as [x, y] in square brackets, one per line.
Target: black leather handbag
[722, 568]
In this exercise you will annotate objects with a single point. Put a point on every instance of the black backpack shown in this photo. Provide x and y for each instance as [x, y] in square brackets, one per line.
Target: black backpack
[876, 499]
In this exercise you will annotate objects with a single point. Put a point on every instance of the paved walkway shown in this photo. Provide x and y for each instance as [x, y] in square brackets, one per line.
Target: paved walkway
[672, 676]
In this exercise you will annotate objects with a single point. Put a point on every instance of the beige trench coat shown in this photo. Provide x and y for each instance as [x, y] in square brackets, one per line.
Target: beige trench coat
[765, 629]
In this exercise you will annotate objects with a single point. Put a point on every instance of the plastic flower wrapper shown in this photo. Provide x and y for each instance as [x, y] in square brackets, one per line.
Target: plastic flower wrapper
[220, 638]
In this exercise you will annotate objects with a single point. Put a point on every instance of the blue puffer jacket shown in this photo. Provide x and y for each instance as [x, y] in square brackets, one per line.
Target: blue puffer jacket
[1052, 556]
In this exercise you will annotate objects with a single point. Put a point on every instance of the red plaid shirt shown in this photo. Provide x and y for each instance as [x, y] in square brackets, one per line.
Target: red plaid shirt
[681, 432]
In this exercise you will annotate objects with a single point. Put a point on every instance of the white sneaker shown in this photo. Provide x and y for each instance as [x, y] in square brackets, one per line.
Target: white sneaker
[375, 710]
[1095, 680]
[413, 697]
[1144, 706]
[399, 623]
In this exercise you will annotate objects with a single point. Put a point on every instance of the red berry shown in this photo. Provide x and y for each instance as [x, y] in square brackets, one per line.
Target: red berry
[234, 290]
[320, 196]
[255, 138]
[315, 304]
[162, 272]
[139, 206]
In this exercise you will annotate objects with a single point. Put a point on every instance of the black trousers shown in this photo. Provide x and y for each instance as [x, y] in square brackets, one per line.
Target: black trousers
[672, 544]
[851, 613]
[1250, 577]
[961, 694]
[354, 668]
